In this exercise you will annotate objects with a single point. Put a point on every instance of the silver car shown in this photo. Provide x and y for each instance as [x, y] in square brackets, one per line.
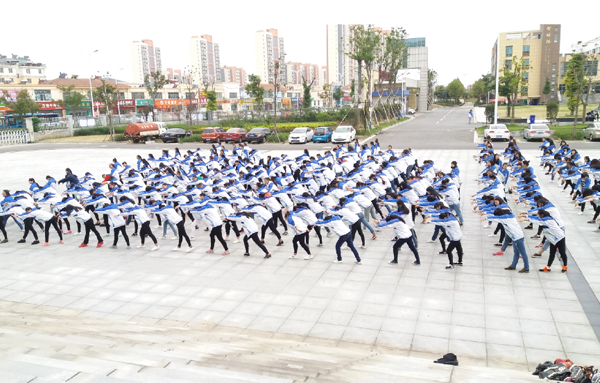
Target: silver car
[592, 131]
[536, 131]
[497, 132]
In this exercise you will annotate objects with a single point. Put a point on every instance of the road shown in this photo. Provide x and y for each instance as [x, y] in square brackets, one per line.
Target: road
[442, 128]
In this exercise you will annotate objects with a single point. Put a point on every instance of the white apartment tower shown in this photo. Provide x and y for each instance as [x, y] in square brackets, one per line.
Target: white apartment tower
[269, 48]
[340, 68]
[204, 56]
[145, 58]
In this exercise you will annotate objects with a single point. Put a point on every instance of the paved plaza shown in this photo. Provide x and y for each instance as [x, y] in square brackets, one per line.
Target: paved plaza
[485, 315]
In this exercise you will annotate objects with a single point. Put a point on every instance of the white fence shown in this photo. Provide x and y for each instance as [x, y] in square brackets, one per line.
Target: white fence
[13, 137]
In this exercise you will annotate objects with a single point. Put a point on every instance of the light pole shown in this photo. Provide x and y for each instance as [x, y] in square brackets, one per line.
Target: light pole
[91, 91]
[118, 94]
[497, 80]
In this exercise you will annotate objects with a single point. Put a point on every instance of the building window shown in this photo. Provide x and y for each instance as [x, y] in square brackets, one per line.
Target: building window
[537, 36]
[1, 70]
[561, 88]
[524, 90]
[289, 95]
[10, 70]
[39, 71]
[509, 51]
[219, 95]
[526, 63]
[508, 64]
[556, 37]
[158, 95]
[137, 95]
[29, 81]
[525, 49]
[121, 96]
[513, 36]
[563, 69]
[591, 68]
[28, 71]
[190, 95]
[42, 95]
[173, 95]
[526, 75]
[233, 95]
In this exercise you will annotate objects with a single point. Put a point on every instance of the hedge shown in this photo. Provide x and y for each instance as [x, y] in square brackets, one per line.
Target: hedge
[98, 131]
[282, 136]
[192, 138]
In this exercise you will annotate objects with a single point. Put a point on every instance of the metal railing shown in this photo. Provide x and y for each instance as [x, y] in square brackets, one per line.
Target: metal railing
[52, 123]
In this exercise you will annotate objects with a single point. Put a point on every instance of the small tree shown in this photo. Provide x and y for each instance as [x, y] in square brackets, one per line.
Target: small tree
[107, 94]
[552, 110]
[326, 95]
[547, 89]
[441, 93]
[71, 100]
[489, 113]
[306, 101]
[478, 90]
[512, 83]
[431, 81]
[456, 90]
[153, 82]
[337, 95]
[255, 90]
[22, 105]
[575, 83]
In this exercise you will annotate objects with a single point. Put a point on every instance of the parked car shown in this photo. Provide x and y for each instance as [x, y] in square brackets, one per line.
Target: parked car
[258, 135]
[174, 135]
[343, 133]
[322, 134]
[536, 131]
[213, 134]
[497, 132]
[300, 135]
[592, 131]
[235, 135]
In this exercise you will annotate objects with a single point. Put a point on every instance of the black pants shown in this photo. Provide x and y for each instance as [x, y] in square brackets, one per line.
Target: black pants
[229, 225]
[455, 245]
[217, 233]
[500, 228]
[145, 230]
[443, 240]
[413, 210]
[271, 225]
[300, 238]
[3, 226]
[116, 231]
[376, 206]
[89, 226]
[67, 223]
[561, 246]
[135, 223]
[597, 209]
[357, 227]
[182, 234]
[278, 216]
[106, 223]
[254, 237]
[29, 227]
[409, 241]
[52, 222]
[318, 231]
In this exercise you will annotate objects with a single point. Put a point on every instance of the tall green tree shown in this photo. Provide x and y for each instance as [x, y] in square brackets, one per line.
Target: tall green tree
[71, 100]
[456, 90]
[478, 90]
[394, 53]
[107, 94]
[512, 82]
[546, 90]
[255, 90]
[441, 93]
[337, 95]
[306, 98]
[575, 83]
[153, 83]
[22, 105]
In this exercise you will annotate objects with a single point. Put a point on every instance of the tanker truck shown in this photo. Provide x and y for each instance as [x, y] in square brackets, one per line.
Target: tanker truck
[145, 131]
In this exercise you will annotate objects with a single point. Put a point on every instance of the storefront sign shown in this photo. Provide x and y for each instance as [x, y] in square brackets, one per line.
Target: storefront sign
[49, 106]
[127, 103]
[294, 99]
[247, 100]
[268, 99]
[223, 101]
[144, 102]
[85, 104]
[168, 103]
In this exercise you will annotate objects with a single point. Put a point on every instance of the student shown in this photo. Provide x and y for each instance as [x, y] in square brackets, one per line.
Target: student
[300, 230]
[454, 234]
[169, 213]
[337, 226]
[117, 222]
[554, 234]
[140, 215]
[88, 223]
[268, 222]
[514, 232]
[49, 220]
[211, 217]
[403, 235]
[250, 232]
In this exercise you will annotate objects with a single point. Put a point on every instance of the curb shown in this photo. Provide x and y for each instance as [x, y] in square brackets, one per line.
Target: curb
[384, 129]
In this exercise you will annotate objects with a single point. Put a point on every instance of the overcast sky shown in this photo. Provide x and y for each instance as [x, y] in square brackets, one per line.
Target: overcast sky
[460, 35]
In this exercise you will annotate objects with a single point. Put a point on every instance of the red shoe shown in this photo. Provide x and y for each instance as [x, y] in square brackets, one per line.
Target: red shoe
[538, 246]
[374, 236]
[45, 244]
[564, 269]
[67, 232]
[83, 245]
[499, 252]
[100, 244]
[61, 242]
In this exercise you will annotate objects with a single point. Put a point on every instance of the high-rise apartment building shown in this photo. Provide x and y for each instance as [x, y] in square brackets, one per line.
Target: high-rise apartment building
[340, 68]
[206, 63]
[540, 50]
[269, 47]
[233, 74]
[295, 73]
[145, 58]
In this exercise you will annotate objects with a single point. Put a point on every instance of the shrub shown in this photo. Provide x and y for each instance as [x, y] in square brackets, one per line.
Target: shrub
[567, 134]
[35, 121]
[552, 110]
[102, 130]
[120, 137]
[489, 113]
[282, 136]
[192, 138]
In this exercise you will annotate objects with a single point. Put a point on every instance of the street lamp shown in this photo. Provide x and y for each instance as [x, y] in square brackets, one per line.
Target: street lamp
[91, 91]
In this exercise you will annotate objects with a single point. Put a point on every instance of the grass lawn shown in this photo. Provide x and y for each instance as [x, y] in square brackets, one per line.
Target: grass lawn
[564, 132]
[79, 139]
[524, 111]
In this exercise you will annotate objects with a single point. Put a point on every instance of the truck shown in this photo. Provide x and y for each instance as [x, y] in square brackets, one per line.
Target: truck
[145, 131]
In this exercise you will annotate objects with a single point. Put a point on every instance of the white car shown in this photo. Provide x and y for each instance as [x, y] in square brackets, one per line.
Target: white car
[300, 135]
[497, 132]
[536, 131]
[343, 133]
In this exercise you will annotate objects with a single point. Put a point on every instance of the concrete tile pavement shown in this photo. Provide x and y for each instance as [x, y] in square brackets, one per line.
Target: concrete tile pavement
[490, 316]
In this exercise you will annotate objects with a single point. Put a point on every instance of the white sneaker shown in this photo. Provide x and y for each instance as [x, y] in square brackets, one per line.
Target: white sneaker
[450, 267]
[358, 262]
[580, 213]
[176, 237]
[189, 249]
[157, 226]
[308, 257]
[163, 237]
[76, 233]
[236, 240]
[140, 246]
[177, 249]
[156, 247]
[491, 235]
[431, 241]
[227, 238]
[363, 247]
[293, 257]
[329, 234]
[487, 225]
[336, 261]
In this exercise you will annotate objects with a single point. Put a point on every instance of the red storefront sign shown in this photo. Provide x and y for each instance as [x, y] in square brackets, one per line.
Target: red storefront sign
[47, 105]
[127, 103]
[167, 103]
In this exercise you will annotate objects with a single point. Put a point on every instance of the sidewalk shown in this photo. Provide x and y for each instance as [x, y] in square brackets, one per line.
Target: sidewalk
[482, 313]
